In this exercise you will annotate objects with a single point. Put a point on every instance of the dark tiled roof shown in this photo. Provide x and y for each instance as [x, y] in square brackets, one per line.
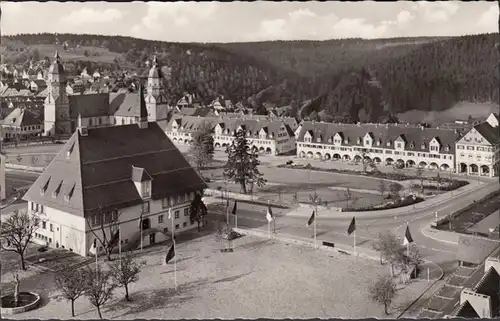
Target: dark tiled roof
[466, 311]
[90, 105]
[386, 134]
[99, 170]
[490, 285]
[21, 117]
[125, 104]
[491, 134]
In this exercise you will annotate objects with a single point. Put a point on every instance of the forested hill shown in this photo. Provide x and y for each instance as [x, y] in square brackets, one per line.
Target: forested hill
[358, 79]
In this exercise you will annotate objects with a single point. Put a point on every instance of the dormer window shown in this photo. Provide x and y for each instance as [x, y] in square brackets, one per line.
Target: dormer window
[379, 142]
[70, 150]
[58, 190]
[68, 196]
[447, 148]
[346, 141]
[142, 181]
[422, 146]
[388, 143]
[45, 187]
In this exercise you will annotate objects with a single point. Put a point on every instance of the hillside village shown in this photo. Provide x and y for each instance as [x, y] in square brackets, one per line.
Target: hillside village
[205, 181]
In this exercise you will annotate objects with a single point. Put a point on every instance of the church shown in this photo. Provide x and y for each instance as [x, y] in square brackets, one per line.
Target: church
[64, 113]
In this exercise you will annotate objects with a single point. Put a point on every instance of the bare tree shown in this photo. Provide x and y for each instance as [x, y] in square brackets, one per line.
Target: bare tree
[383, 292]
[125, 271]
[98, 287]
[34, 160]
[17, 286]
[17, 232]
[348, 196]
[382, 187]
[387, 245]
[107, 221]
[72, 285]
[420, 176]
[224, 232]
[405, 261]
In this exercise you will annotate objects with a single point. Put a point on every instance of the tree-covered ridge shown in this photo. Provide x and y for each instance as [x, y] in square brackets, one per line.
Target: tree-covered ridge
[352, 78]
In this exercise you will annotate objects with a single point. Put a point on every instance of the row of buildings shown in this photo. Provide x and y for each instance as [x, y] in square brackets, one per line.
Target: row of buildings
[474, 152]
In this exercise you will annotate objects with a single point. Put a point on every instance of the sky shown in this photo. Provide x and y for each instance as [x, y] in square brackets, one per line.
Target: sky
[252, 21]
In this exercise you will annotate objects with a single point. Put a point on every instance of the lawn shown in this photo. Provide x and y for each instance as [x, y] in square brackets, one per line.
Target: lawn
[260, 279]
[33, 159]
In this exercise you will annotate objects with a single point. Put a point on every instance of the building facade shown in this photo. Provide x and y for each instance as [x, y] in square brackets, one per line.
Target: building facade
[22, 123]
[478, 151]
[383, 144]
[94, 184]
[266, 136]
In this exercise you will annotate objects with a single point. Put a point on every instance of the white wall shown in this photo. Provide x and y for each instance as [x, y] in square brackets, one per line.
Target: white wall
[73, 232]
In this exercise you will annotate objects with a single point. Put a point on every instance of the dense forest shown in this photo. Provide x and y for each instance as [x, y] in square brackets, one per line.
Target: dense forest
[350, 79]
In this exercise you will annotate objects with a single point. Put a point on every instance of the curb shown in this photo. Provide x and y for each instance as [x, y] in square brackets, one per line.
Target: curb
[425, 291]
[436, 239]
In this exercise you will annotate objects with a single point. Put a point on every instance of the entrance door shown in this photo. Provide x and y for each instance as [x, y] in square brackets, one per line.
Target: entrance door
[152, 238]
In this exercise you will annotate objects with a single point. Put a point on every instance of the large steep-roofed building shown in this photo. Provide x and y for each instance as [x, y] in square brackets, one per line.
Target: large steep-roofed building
[109, 174]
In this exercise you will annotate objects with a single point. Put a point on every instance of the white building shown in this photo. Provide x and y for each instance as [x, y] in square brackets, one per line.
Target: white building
[22, 123]
[114, 174]
[270, 136]
[478, 151]
[383, 144]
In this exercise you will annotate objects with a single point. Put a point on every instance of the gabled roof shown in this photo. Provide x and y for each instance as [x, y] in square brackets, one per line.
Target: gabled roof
[89, 105]
[125, 104]
[98, 170]
[21, 117]
[490, 133]
[466, 311]
[385, 133]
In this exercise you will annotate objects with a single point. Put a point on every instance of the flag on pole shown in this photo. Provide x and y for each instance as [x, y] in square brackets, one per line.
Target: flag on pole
[93, 248]
[352, 226]
[408, 239]
[269, 215]
[234, 208]
[311, 219]
[170, 254]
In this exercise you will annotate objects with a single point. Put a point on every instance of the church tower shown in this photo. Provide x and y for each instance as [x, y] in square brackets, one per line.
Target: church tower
[56, 104]
[156, 102]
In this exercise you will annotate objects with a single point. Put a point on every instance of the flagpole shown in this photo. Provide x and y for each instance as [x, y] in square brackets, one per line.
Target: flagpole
[120, 242]
[315, 213]
[236, 220]
[354, 245]
[175, 259]
[141, 232]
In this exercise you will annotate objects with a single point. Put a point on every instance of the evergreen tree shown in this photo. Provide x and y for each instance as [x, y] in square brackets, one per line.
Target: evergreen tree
[203, 146]
[242, 163]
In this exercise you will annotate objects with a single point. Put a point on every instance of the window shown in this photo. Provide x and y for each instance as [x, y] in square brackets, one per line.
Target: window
[146, 189]
[176, 226]
[164, 202]
[44, 225]
[50, 240]
[367, 142]
[176, 214]
[179, 199]
[145, 207]
[90, 121]
[51, 227]
[165, 230]
[160, 218]
[399, 145]
[184, 224]
[186, 212]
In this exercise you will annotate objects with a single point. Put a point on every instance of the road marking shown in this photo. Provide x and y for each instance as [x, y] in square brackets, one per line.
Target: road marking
[435, 239]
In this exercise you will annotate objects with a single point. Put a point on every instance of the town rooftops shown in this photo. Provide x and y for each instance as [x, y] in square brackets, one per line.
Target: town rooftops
[466, 311]
[93, 171]
[90, 105]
